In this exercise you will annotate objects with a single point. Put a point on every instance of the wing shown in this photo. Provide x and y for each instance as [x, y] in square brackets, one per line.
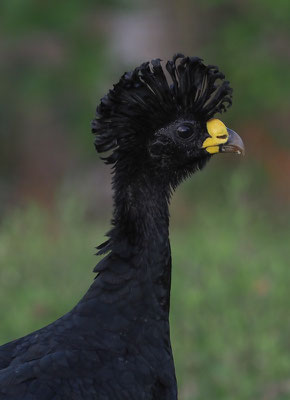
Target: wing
[55, 376]
[28, 381]
[6, 352]
[71, 357]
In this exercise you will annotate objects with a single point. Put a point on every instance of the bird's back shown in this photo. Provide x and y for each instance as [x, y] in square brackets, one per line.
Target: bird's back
[107, 347]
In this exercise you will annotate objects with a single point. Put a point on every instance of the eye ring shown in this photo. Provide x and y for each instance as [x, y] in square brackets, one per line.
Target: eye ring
[185, 131]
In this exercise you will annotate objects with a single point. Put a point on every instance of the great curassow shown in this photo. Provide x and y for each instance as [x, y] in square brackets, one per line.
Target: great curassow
[114, 344]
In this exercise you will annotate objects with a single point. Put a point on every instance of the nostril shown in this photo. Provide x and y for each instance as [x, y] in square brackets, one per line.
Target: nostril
[222, 137]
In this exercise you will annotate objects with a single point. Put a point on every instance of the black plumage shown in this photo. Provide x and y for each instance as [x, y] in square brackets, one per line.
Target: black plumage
[115, 343]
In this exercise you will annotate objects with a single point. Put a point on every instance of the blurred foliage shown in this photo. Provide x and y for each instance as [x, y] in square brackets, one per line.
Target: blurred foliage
[54, 62]
[229, 310]
[252, 43]
[18, 16]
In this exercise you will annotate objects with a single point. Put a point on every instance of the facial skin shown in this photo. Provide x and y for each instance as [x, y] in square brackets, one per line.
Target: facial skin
[187, 142]
[179, 142]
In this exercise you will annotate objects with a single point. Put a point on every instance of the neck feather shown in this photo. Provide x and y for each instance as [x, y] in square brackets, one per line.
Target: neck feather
[141, 215]
[140, 232]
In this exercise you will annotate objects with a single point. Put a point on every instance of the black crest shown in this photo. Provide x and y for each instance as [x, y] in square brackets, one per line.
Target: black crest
[144, 100]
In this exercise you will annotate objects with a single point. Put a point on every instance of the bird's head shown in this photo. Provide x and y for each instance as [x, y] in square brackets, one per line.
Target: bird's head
[161, 120]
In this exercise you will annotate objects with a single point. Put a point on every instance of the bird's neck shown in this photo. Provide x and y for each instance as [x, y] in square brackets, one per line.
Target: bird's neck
[140, 232]
[141, 212]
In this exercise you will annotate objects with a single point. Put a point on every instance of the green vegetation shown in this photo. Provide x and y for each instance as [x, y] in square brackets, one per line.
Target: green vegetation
[230, 317]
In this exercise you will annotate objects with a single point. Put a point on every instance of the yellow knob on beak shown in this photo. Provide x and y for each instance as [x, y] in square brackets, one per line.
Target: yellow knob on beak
[222, 139]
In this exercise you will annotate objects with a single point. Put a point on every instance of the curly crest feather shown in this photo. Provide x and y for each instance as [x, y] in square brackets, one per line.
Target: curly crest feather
[144, 101]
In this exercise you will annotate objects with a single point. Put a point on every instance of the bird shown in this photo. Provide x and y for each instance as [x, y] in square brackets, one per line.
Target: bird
[156, 127]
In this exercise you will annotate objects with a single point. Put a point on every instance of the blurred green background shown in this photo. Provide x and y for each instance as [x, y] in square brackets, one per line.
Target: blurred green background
[230, 228]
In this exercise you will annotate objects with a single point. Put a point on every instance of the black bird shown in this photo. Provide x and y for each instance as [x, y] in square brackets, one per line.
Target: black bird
[158, 129]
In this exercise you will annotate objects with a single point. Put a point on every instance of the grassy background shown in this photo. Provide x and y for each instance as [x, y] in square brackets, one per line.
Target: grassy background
[230, 295]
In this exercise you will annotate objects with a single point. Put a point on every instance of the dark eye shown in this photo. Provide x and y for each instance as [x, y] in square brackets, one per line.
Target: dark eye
[184, 131]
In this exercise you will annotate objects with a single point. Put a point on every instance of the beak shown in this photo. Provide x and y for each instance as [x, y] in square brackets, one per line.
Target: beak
[222, 139]
[234, 144]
